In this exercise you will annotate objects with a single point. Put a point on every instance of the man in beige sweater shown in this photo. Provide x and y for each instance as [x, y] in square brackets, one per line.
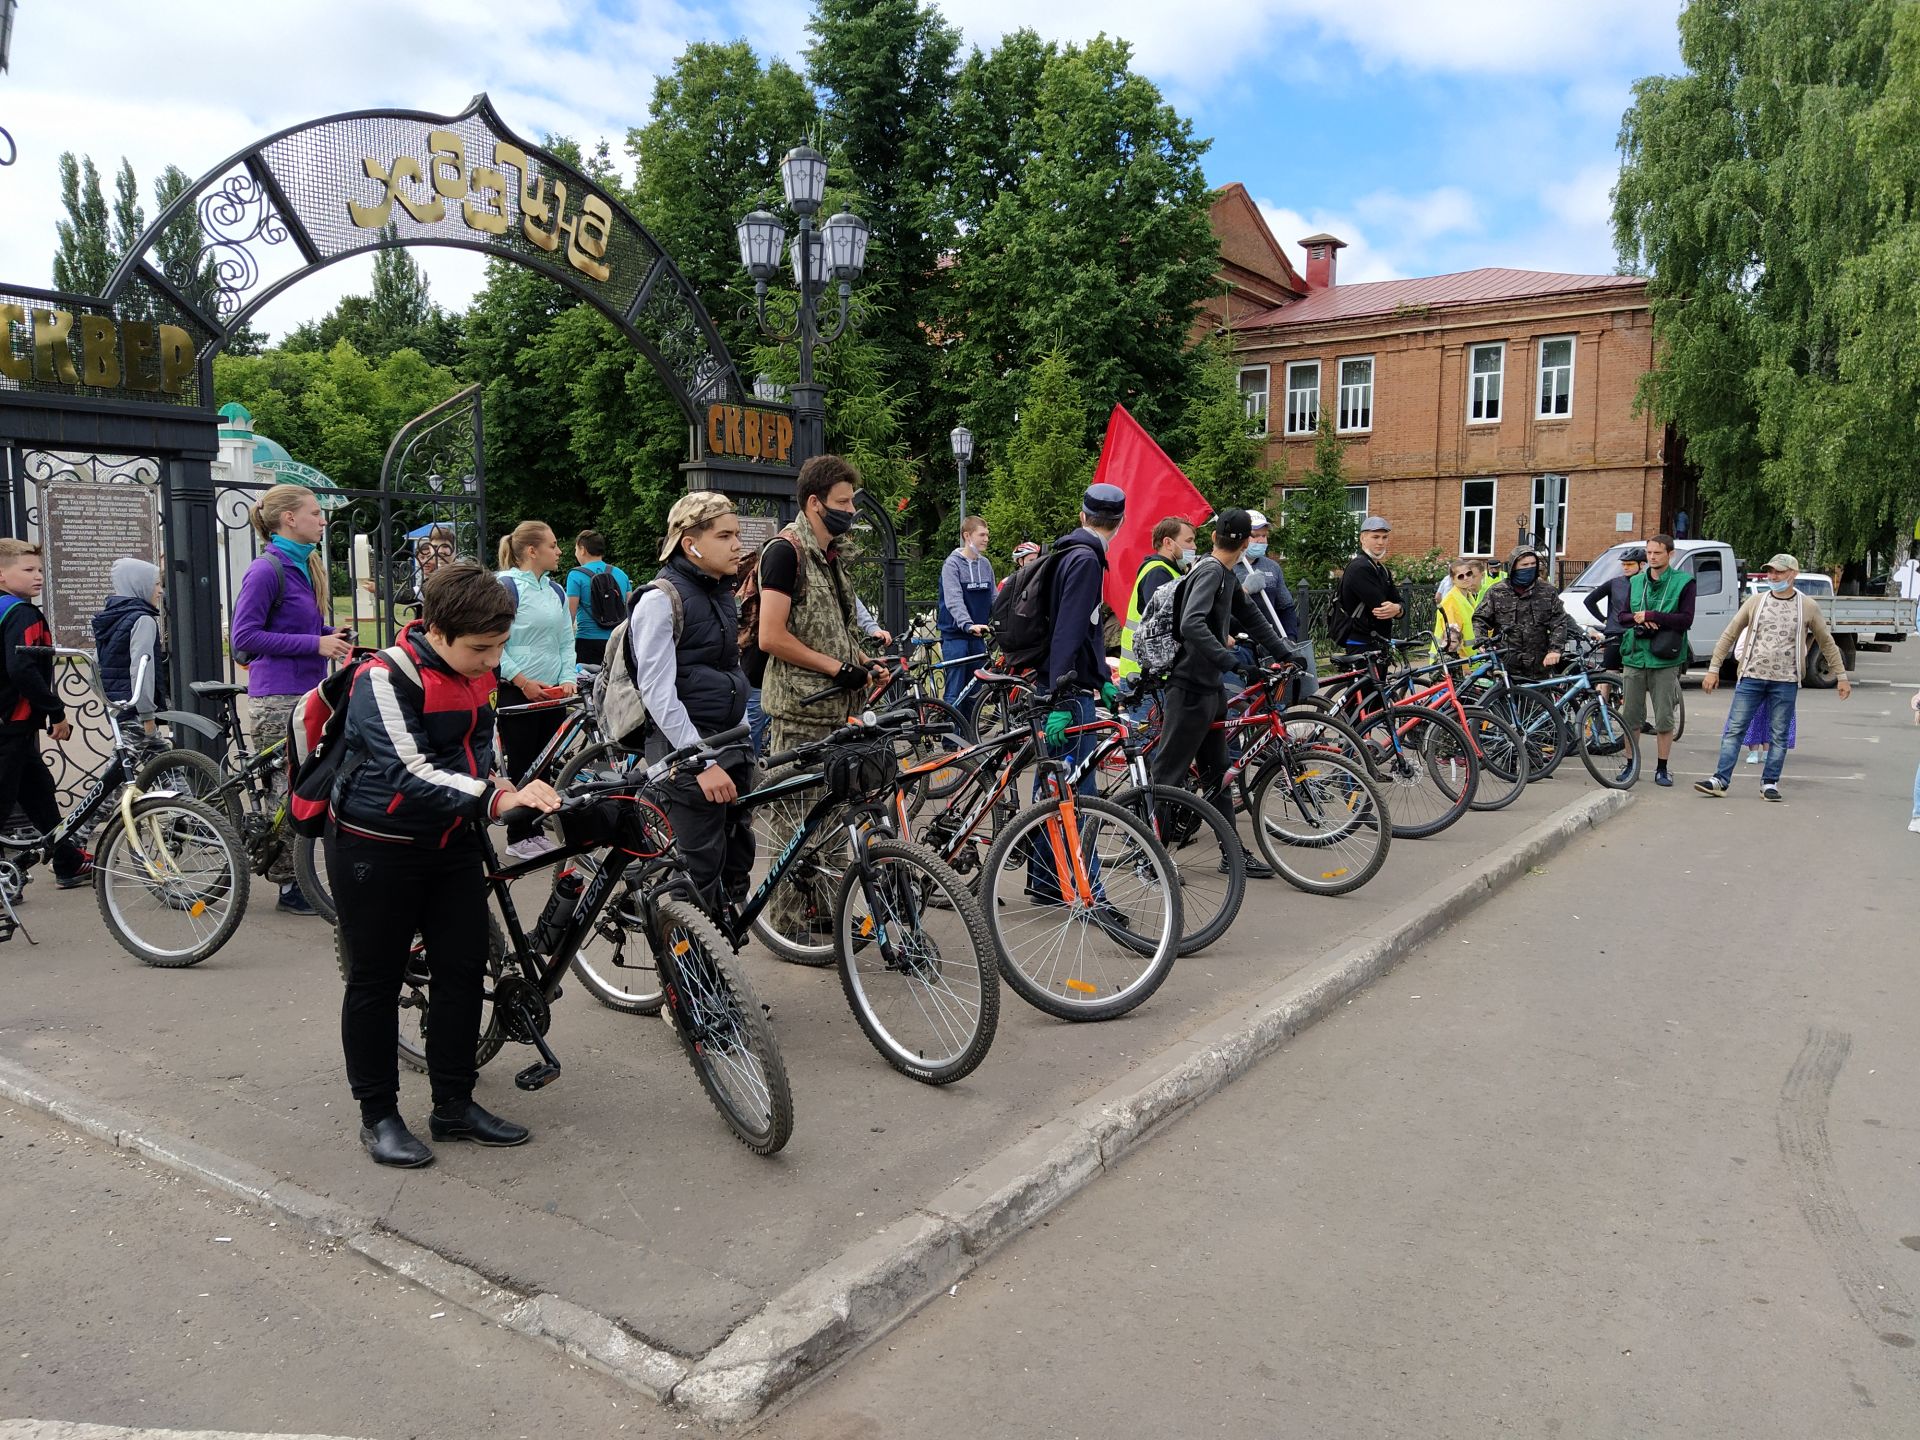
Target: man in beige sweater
[1777, 621]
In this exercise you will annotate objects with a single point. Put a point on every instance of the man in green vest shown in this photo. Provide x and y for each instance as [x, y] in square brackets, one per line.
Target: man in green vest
[1661, 601]
[810, 635]
[1173, 549]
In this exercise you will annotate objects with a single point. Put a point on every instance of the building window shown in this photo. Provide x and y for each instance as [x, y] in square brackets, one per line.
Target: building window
[1356, 394]
[1708, 577]
[1477, 504]
[1303, 397]
[1487, 369]
[1253, 397]
[1556, 377]
[1356, 501]
[1550, 511]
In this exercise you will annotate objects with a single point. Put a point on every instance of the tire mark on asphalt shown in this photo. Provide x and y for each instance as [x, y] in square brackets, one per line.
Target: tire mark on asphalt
[1873, 1291]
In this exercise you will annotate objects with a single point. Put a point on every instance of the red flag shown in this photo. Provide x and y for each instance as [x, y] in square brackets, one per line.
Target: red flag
[1156, 488]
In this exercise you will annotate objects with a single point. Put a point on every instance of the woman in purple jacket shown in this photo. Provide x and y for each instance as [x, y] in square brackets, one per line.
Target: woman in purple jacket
[279, 625]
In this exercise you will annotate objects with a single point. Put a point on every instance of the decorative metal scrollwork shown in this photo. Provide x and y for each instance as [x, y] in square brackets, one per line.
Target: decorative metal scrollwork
[236, 215]
[13, 150]
[75, 763]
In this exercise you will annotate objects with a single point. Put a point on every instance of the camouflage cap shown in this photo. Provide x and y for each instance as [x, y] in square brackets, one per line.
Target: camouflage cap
[690, 512]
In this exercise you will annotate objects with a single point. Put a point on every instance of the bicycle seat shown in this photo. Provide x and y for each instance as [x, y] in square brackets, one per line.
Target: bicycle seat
[216, 689]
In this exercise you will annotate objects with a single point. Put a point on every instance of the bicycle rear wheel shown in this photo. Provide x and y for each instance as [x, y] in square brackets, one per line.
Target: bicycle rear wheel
[415, 1011]
[804, 932]
[1207, 857]
[615, 959]
[174, 890]
[196, 776]
[609, 760]
[1426, 765]
[1106, 946]
[955, 734]
[723, 1028]
[1538, 722]
[1322, 821]
[1503, 760]
[930, 1009]
[1609, 750]
[310, 873]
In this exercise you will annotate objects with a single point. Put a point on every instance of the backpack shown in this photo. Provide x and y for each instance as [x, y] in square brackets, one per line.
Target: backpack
[1021, 618]
[605, 602]
[247, 657]
[752, 658]
[1156, 639]
[315, 762]
[616, 699]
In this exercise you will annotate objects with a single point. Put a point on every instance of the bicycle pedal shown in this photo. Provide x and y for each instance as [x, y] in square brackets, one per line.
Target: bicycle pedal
[537, 1076]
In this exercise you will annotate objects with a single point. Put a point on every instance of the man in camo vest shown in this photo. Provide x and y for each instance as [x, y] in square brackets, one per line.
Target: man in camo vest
[811, 636]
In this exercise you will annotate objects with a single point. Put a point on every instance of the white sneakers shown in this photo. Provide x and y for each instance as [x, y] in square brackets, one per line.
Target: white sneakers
[532, 848]
[1914, 825]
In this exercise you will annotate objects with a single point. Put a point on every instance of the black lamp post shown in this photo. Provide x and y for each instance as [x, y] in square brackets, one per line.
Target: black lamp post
[836, 253]
[6, 32]
[962, 439]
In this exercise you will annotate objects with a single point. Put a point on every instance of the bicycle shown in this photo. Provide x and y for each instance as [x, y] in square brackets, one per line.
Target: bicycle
[1428, 759]
[713, 1012]
[1496, 744]
[168, 877]
[1539, 709]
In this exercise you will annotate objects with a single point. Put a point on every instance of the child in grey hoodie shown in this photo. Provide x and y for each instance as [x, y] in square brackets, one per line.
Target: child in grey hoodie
[127, 630]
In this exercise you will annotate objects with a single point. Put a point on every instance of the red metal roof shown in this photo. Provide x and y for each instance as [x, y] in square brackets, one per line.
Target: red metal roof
[1468, 287]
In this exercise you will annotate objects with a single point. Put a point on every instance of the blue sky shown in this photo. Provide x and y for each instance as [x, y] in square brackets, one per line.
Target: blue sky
[1432, 136]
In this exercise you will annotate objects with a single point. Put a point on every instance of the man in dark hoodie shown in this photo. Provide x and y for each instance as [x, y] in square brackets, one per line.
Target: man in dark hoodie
[127, 632]
[1525, 614]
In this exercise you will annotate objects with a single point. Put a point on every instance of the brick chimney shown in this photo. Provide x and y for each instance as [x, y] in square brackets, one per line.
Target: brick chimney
[1323, 258]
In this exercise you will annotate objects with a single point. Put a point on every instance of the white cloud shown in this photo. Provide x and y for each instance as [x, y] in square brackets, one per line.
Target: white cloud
[1388, 234]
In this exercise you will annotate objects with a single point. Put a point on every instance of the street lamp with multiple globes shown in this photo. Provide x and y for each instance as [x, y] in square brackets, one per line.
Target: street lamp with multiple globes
[834, 254]
[962, 439]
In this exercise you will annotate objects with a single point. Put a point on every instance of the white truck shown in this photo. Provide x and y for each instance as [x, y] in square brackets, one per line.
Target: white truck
[1719, 588]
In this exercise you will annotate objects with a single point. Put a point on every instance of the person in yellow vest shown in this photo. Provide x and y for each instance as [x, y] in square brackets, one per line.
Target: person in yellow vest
[1470, 582]
[1172, 553]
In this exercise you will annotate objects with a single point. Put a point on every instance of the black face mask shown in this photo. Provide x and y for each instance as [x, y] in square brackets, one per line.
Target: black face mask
[838, 522]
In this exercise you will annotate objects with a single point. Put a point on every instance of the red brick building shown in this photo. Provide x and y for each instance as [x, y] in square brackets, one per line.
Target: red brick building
[1470, 404]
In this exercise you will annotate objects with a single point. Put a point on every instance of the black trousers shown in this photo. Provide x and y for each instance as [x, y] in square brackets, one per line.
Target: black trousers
[714, 841]
[523, 737]
[386, 893]
[25, 781]
[1187, 735]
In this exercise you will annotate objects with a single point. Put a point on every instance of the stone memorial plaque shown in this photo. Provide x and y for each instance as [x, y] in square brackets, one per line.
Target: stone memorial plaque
[755, 531]
[85, 526]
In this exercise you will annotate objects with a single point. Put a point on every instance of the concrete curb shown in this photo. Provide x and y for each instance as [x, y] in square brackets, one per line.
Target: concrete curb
[877, 1283]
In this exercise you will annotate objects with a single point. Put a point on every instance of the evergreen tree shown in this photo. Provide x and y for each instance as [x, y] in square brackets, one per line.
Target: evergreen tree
[129, 220]
[1045, 467]
[399, 314]
[1226, 462]
[1321, 531]
[995, 130]
[85, 259]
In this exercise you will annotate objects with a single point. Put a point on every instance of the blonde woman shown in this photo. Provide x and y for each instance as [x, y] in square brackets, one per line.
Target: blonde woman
[280, 625]
[537, 665]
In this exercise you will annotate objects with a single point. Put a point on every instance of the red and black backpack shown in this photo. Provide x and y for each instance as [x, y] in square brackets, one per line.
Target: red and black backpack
[315, 727]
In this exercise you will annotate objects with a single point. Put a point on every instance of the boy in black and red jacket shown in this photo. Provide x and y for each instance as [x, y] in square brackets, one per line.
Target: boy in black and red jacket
[404, 856]
[29, 704]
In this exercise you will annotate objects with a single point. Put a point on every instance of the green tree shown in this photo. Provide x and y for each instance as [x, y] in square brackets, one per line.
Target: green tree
[84, 261]
[398, 314]
[1321, 532]
[995, 129]
[1105, 242]
[129, 219]
[1227, 459]
[1767, 191]
[1036, 485]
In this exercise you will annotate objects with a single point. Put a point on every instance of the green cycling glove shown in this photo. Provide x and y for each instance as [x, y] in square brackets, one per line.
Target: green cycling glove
[1057, 723]
[1110, 695]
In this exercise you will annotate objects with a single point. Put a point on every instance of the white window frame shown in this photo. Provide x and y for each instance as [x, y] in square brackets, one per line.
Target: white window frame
[1257, 417]
[1309, 422]
[1342, 389]
[1493, 391]
[1487, 515]
[1541, 371]
[1536, 511]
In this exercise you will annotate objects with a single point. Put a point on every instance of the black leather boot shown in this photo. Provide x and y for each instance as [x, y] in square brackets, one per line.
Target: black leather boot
[471, 1122]
[389, 1142]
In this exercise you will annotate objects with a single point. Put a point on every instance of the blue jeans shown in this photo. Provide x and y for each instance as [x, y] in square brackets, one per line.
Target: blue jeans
[1916, 794]
[758, 722]
[961, 647]
[1748, 696]
[1040, 878]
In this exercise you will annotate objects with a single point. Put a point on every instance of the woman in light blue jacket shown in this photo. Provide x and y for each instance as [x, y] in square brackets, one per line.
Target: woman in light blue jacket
[536, 665]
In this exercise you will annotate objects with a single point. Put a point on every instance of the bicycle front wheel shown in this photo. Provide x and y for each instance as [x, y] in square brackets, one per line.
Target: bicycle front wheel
[172, 886]
[723, 1028]
[1322, 821]
[917, 962]
[1538, 722]
[1207, 857]
[310, 873]
[1609, 750]
[1427, 766]
[1085, 913]
[1502, 757]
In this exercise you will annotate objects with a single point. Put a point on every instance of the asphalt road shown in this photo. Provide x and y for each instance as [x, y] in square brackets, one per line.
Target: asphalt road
[1631, 1151]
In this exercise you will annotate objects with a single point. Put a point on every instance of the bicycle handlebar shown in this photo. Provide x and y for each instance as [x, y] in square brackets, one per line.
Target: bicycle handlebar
[705, 750]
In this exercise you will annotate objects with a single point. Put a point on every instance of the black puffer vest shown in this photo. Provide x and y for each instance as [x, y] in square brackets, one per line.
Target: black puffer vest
[709, 679]
[112, 640]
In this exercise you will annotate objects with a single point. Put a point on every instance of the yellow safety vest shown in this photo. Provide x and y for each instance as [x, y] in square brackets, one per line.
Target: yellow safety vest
[1128, 667]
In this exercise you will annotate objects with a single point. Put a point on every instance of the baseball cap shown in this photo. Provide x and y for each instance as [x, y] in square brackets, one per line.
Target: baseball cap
[1259, 520]
[1374, 522]
[1230, 528]
[690, 512]
[1104, 502]
[1782, 561]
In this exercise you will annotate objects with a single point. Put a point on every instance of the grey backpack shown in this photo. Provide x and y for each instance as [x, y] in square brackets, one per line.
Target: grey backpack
[616, 698]
[1156, 639]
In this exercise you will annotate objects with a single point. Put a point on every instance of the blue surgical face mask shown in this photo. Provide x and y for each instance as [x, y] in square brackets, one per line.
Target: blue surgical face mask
[1186, 558]
[1779, 587]
[1257, 550]
[1524, 576]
